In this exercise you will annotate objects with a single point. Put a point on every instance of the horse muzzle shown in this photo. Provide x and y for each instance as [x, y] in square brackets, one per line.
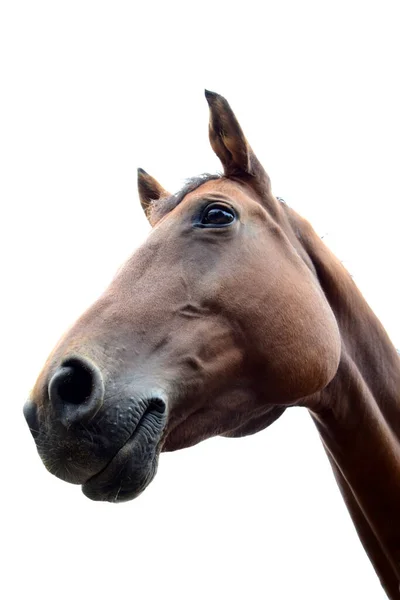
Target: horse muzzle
[109, 444]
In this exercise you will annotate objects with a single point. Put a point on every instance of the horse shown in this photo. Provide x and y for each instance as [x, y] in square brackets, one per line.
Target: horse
[232, 311]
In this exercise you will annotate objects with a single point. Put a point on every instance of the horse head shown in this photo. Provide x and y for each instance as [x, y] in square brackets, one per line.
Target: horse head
[214, 326]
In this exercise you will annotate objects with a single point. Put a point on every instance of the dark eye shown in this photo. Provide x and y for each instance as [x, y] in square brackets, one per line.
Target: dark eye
[217, 216]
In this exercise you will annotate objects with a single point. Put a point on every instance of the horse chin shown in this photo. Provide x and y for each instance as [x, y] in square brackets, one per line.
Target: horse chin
[256, 423]
[130, 471]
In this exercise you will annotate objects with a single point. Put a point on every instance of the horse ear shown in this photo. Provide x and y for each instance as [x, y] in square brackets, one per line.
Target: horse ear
[229, 143]
[149, 190]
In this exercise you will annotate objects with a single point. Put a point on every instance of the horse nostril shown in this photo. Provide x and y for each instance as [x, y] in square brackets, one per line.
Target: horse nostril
[76, 390]
[72, 383]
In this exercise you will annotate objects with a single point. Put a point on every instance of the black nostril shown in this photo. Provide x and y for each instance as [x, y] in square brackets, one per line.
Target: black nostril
[73, 383]
[76, 390]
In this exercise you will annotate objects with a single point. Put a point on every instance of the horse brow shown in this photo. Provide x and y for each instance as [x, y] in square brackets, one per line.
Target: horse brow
[160, 209]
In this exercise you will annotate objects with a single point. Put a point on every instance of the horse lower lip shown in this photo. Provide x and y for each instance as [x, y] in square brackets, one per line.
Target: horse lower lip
[156, 406]
[128, 467]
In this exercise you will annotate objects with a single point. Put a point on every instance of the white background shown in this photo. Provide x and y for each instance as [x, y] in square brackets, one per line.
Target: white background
[92, 90]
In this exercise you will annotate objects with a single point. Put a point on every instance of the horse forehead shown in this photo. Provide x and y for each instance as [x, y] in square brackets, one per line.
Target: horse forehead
[229, 188]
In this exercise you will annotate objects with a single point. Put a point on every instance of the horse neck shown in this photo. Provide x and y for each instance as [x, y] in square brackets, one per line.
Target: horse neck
[358, 414]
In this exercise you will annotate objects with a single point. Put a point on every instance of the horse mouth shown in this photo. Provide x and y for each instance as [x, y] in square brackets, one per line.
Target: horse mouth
[134, 465]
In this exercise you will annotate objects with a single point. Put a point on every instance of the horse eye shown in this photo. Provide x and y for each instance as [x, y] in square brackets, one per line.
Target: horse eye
[218, 216]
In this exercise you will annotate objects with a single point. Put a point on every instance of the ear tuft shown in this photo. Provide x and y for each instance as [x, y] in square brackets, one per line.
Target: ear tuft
[149, 190]
[210, 95]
